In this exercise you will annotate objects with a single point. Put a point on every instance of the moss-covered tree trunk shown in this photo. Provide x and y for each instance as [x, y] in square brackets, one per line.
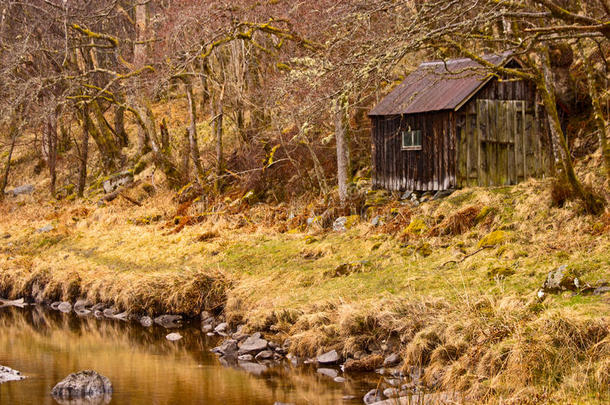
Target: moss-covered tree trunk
[146, 120]
[192, 130]
[83, 154]
[544, 82]
[104, 138]
[600, 121]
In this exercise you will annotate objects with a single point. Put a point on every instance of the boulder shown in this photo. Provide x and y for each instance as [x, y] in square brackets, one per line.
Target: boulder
[117, 180]
[172, 337]
[331, 357]
[561, 279]
[245, 357]
[8, 374]
[25, 189]
[253, 344]
[169, 321]
[339, 379]
[207, 328]
[83, 384]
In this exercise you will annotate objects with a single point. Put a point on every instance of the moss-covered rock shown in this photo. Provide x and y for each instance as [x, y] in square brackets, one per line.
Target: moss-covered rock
[500, 272]
[485, 211]
[417, 226]
[377, 197]
[492, 239]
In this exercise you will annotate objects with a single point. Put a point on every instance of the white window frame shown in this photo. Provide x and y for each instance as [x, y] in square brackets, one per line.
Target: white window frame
[413, 138]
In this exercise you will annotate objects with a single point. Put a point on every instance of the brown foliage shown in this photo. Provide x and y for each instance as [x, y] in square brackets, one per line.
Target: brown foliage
[457, 223]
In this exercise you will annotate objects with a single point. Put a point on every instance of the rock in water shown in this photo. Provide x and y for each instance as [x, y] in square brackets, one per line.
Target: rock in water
[373, 396]
[331, 357]
[253, 344]
[8, 374]
[169, 321]
[221, 328]
[65, 307]
[392, 360]
[84, 384]
[172, 337]
[146, 321]
[228, 348]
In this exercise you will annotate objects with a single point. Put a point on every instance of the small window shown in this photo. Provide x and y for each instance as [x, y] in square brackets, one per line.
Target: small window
[411, 140]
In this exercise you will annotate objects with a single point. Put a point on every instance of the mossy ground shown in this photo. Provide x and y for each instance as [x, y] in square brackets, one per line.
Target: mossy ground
[351, 290]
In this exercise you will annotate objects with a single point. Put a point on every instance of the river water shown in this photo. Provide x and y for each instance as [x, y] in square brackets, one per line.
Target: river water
[145, 368]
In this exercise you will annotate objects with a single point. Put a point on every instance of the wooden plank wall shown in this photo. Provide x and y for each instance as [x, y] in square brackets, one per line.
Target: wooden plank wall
[502, 136]
[432, 168]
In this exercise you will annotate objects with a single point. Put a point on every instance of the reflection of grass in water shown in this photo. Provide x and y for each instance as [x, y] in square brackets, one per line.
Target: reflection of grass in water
[48, 347]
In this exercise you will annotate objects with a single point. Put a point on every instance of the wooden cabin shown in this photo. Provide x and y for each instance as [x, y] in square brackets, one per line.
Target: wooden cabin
[451, 124]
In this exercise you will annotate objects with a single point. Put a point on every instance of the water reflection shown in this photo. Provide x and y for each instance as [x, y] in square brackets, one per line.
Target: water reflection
[143, 366]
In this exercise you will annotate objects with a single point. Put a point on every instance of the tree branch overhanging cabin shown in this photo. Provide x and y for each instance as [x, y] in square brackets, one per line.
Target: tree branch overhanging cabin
[451, 124]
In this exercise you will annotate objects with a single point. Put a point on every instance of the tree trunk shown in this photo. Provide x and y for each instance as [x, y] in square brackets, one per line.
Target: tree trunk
[185, 156]
[192, 131]
[146, 120]
[119, 126]
[139, 47]
[342, 152]
[545, 86]
[84, 155]
[49, 148]
[165, 146]
[600, 121]
[8, 161]
[104, 139]
[219, 154]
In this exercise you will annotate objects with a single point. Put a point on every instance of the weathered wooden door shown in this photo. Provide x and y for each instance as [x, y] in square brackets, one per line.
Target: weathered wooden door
[502, 128]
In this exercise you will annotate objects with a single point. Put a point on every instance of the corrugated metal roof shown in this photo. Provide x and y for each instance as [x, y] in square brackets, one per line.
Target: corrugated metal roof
[436, 86]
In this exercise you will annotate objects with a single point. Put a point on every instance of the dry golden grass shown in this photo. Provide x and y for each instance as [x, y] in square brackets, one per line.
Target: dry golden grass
[473, 329]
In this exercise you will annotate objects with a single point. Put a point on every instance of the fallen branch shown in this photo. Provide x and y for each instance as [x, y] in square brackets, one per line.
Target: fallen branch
[467, 256]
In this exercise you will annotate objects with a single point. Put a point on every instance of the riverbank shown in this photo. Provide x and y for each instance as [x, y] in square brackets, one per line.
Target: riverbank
[450, 285]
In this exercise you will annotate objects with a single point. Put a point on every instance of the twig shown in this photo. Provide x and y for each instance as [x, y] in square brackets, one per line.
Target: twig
[467, 256]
